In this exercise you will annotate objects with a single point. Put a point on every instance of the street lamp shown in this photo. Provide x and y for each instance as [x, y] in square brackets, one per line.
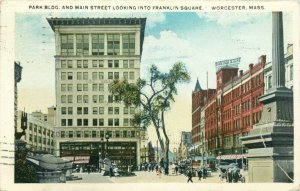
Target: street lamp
[220, 154]
[102, 146]
[246, 159]
[175, 153]
[106, 137]
[236, 156]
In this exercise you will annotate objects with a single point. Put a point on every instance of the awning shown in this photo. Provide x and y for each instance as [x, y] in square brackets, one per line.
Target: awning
[78, 159]
[193, 147]
[232, 157]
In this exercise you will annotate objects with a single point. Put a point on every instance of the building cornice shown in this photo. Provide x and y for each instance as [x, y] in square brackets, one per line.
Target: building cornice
[59, 22]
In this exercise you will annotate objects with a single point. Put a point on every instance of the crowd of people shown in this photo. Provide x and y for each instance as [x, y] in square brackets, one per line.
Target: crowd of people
[177, 169]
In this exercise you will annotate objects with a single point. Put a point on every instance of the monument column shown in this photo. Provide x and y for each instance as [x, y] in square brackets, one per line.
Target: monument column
[278, 80]
[270, 142]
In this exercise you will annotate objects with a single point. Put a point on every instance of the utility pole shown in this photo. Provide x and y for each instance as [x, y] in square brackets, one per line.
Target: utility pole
[157, 151]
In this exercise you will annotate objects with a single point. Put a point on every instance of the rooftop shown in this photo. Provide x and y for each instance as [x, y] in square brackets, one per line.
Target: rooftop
[55, 22]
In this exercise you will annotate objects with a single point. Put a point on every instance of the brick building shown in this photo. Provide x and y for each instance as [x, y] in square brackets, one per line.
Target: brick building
[199, 97]
[230, 110]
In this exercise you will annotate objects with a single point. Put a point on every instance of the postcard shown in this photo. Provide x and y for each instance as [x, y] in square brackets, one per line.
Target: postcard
[162, 95]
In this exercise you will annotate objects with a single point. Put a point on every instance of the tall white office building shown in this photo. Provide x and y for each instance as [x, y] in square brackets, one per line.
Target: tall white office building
[89, 54]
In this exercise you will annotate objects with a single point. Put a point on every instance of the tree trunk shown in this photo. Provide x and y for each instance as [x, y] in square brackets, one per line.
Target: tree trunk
[167, 139]
[162, 146]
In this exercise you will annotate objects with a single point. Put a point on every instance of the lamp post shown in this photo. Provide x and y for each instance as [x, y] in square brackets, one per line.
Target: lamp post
[175, 153]
[242, 156]
[106, 137]
[129, 169]
[236, 156]
[102, 146]
[157, 151]
[220, 154]
[246, 160]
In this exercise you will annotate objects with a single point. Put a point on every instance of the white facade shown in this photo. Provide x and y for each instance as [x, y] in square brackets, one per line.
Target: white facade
[39, 134]
[88, 58]
[289, 77]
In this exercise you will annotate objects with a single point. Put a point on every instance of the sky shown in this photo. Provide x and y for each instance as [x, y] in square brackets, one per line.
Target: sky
[196, 39]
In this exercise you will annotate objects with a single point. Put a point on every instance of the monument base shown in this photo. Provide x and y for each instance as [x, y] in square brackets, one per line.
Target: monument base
[270, 142]
[271, 165]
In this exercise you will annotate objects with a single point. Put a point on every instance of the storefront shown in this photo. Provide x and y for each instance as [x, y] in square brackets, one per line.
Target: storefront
[123, 154]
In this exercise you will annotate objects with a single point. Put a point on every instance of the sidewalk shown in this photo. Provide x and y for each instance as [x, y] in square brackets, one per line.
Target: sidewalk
[152, 177]
[147, 177]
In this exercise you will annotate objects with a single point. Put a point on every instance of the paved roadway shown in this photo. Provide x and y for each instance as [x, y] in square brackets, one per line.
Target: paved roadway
[144, 177]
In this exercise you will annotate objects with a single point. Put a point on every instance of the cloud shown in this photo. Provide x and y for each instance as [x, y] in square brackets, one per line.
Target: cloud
[165, 50]
[230, 19]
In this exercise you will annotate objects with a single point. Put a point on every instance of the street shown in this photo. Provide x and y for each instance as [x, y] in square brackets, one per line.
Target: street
[145, 177]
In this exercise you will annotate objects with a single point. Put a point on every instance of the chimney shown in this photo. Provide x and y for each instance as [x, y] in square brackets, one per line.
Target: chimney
[262, 60]
[250, 66]
[241, 73]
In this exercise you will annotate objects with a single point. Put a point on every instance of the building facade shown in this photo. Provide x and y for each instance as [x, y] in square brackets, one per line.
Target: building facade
[90, 53]
[199, 98]
[289, 68]
[18, 77]
[39, 135]
[231, 109]
[185, 144]
[234, 107]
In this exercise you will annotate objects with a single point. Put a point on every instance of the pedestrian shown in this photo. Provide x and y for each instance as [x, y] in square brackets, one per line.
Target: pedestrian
[88, 169]
[190, 176]
[176, 169]
[166, 170]
[229, 175]
[156, 168]
[204, 173]
[111, 172]
[159, 172]
[199, 174]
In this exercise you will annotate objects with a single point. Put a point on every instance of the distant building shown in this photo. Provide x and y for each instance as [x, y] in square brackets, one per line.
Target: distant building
[185, 144]
[39, 134]
[18, 77]
[49, 117]
[144, 147]
[289, 67]
[151, 152]
[199, 97]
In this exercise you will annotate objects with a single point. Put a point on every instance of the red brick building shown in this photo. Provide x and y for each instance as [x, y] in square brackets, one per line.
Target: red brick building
[199, 97]
[231, 109]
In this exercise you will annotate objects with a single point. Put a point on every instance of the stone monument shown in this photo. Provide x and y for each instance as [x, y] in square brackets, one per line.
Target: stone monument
[270, 142]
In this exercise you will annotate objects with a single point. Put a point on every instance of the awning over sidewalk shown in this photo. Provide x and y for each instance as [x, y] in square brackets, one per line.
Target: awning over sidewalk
[78, 159]
[193, 147]
[232, 157]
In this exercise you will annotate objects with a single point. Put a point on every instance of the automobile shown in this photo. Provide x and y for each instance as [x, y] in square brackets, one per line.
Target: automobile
[226, 165]
[208, 170]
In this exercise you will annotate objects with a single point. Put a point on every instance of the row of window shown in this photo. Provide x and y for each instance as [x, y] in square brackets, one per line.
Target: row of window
[40, 140]
[97, 76]
[228, 141]
[98, 122]
[39, 129]
[97, 64]
[82, 42]
[85, 98]
[245, 122]
[97, 110]
[97, 134]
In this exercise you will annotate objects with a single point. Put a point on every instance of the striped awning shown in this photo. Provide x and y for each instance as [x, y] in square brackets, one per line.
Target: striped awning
[232, 157]
[78, 159]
